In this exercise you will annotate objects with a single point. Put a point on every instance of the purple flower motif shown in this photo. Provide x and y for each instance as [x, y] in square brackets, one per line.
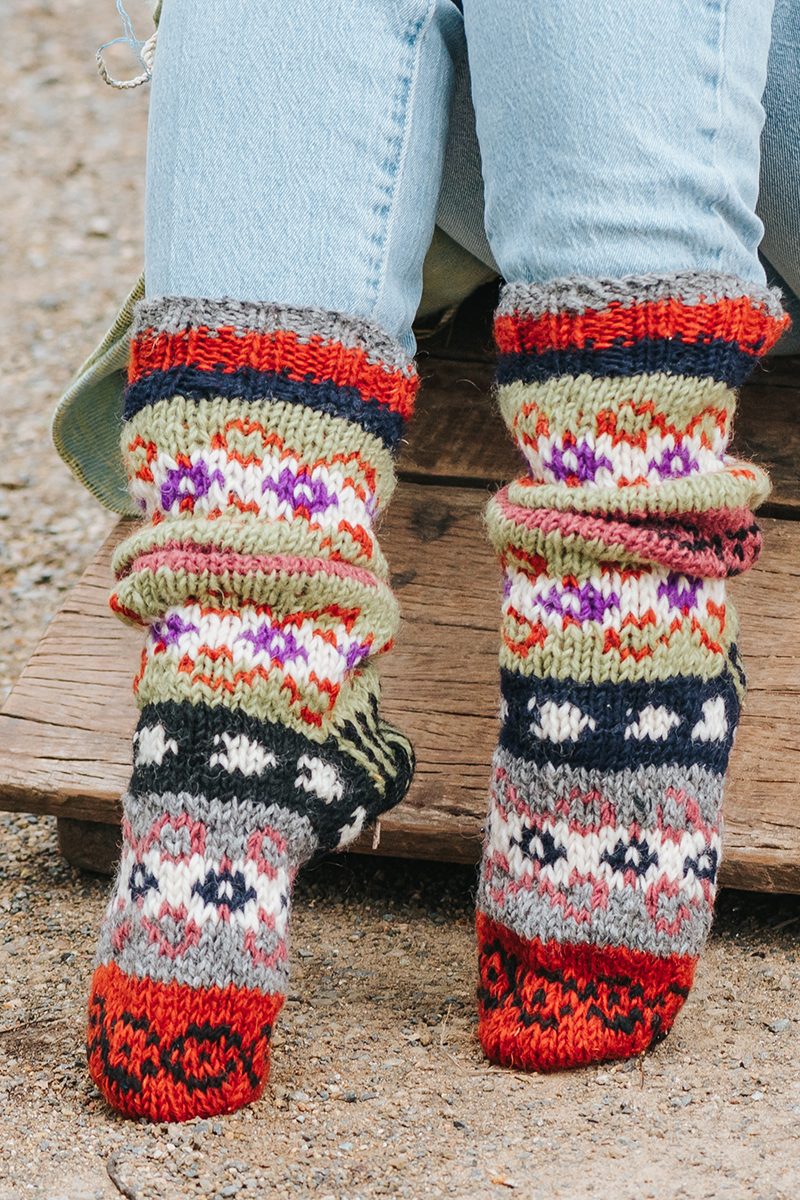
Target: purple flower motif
[280, 645]
[194, 480]
[168, 632]
[680, 590]
[356, 654]
[586, 603]
[580, 462]
[675, 463]
[300, 490]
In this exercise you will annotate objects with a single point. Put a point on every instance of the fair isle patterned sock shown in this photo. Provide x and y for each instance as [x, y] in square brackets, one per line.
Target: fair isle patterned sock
[259, 444]
[621, 683]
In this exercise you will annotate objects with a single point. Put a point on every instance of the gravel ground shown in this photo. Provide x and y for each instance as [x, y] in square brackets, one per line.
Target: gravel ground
[378, 1085]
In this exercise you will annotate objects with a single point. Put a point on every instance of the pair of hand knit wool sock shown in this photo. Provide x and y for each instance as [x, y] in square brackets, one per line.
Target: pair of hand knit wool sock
[259, 442]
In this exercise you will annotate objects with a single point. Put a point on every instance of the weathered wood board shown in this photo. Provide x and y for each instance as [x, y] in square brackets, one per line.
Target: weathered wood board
[65, 730]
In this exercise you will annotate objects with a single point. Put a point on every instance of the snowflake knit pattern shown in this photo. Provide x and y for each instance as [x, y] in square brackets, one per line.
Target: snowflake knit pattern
[620, 679]
[259, 443]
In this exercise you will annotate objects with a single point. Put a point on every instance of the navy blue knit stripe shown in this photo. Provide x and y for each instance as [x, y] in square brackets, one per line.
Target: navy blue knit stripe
[614, 708]
[195, 729]
[720, 360]
[250, 384]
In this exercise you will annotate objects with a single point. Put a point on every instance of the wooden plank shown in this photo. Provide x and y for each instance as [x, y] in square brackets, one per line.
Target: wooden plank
[457, 435]
[767, 431]
[468, 334]
[65, 732]
[783, 370]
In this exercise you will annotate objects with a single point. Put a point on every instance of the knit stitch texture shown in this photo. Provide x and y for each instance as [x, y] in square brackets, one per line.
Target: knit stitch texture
[259, 444]
[620, 678]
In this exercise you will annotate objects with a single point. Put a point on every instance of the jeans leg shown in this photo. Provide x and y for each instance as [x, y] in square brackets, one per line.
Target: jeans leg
[620, 137]
[619, 143]
[779, 198]
[295, 152]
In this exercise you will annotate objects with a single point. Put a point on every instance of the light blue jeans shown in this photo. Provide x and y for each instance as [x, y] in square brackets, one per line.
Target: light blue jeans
[779, 201]
[302, 152]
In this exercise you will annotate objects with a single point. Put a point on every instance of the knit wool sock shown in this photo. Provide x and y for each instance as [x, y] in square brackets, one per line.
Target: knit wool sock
[620, 679]
[259, 444]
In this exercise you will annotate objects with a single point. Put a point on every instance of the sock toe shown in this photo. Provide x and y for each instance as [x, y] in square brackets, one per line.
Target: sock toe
[547, 1005]
[170, 1052]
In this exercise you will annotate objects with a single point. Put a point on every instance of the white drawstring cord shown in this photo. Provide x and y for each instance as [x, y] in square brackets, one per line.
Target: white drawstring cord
[144, 51]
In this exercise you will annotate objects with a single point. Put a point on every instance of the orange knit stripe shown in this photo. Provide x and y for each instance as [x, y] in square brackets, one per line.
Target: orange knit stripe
[314, 360]
[729, 320]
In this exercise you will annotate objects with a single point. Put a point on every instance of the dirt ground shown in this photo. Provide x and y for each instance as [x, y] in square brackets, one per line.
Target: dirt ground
[378, 1086]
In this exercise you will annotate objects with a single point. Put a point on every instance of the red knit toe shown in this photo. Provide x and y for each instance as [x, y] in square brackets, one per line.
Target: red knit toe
[170, 1052]
[546, 1005]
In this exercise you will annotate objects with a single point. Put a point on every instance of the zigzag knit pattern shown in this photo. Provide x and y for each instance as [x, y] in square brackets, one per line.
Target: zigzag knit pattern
[259, 444]
[620, 679]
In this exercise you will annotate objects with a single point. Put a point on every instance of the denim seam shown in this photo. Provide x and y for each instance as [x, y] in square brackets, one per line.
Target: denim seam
[402, 107]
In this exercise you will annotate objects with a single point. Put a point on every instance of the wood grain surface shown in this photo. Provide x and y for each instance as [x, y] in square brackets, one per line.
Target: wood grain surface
[65, 730]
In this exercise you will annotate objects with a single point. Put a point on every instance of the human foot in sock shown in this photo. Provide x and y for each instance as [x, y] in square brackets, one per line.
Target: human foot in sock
[259, 443]
[621, 684]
